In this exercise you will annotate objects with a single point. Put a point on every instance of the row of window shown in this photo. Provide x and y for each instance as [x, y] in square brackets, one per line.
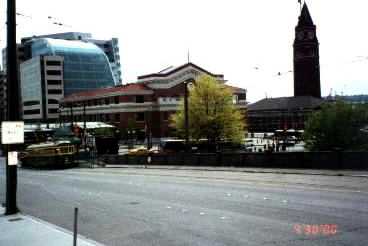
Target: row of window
[32, 103]
[53, 72]
[54, 82]
[139, 117]
[55, 91]
[53, 63]
[109, 100]
[38, 111]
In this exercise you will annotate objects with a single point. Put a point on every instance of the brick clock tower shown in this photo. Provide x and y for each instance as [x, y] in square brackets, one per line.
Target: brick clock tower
[306, 57]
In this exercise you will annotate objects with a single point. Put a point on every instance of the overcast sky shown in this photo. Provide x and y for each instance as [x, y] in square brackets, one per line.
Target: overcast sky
[223, 36]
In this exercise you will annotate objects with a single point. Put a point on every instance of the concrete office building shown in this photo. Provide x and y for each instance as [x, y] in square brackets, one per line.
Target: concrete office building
[42, 88]
[60, 68]
[109, 47]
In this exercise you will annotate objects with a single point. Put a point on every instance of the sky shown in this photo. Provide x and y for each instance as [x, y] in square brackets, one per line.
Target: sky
[229, 37]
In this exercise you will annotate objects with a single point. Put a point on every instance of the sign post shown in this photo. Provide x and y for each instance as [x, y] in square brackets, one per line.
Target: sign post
[11, 133]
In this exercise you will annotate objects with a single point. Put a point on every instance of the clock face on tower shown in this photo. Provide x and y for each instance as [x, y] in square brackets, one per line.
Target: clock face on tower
[300, 35]
[310, 35]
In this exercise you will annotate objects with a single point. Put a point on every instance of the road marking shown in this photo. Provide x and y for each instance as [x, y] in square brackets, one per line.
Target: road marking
[202, 213]
[285, 201]
[228, 194]
[266, 198]
[168, 207]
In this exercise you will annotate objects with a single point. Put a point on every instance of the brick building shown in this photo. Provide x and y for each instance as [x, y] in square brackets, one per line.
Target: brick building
[283, 113]
[145, 105]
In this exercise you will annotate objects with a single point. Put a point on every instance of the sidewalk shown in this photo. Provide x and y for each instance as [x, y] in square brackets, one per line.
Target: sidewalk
[23, 230]
[350, 173]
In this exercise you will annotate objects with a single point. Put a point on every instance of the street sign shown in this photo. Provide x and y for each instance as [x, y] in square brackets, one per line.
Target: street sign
[13, 158]
[12, 132]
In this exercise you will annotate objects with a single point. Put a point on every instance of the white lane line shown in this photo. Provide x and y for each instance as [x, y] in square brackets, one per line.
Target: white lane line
[202, 213]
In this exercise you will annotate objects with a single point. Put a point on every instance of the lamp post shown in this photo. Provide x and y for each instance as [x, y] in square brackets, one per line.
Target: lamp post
[60, 110]
[148, 130]
[84, 125]
[71, 116]
[13, 113]
[187, 83]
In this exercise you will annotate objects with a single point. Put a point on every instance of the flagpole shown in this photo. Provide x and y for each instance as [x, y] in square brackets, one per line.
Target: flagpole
[300, 4]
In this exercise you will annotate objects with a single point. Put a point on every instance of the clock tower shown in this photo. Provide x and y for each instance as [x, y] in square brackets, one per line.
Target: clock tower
[306, 57]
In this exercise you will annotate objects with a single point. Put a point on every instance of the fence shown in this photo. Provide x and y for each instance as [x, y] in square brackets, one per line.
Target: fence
[308, 160]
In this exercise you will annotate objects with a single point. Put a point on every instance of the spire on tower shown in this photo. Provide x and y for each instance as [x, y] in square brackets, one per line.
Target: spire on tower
[305, 18]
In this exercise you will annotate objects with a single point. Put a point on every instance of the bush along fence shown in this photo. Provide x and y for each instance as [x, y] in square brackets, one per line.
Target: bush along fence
[307, 160]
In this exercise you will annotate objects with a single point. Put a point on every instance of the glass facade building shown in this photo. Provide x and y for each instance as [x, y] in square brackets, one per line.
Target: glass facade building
[86, 66]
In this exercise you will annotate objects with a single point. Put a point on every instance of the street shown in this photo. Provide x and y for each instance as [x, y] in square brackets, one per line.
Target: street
[132, 206]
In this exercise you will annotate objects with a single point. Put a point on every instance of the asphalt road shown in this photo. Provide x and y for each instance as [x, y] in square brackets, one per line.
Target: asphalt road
[178, 207]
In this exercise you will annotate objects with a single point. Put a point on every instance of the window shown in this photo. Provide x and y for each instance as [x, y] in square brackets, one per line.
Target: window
[117, 117]
[33, 111]
[139, 99]
[53, 111]
[53, 72]
[53, 82]
[107, 101]
[107, 117]
[53, 101]
[31, 103]
[116, 100]
[55, 92]
[166, 116]
[242, 96]
[53, 63]
[139, 117]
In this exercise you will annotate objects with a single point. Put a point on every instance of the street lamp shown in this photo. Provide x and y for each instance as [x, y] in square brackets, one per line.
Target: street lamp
[71, 116]
[187, 84]
[148, 130]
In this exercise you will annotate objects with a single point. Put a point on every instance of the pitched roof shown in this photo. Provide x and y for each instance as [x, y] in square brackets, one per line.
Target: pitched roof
[235, 89]
[134, 87]
[286, 103]
[305, 18]
[171, 70]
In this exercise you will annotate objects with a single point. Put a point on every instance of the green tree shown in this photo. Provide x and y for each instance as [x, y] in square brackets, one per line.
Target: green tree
[212, 114]
[337, 126]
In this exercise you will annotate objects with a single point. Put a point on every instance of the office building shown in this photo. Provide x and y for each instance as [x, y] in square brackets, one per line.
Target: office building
[109, 47]
[42, 88]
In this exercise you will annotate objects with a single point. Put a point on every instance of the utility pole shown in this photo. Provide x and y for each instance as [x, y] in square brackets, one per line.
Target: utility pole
[13, 113]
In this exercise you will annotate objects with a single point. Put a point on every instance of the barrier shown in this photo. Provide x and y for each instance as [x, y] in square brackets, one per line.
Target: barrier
[307, 160]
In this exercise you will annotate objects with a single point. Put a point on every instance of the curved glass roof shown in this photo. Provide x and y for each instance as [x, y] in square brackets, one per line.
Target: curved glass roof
[86, 66]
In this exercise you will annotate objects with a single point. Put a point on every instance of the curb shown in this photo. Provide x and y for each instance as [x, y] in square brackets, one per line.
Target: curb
[240, 171]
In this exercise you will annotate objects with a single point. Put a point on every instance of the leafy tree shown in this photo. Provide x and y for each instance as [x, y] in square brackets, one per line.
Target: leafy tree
[212, 114]
[337, 126]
